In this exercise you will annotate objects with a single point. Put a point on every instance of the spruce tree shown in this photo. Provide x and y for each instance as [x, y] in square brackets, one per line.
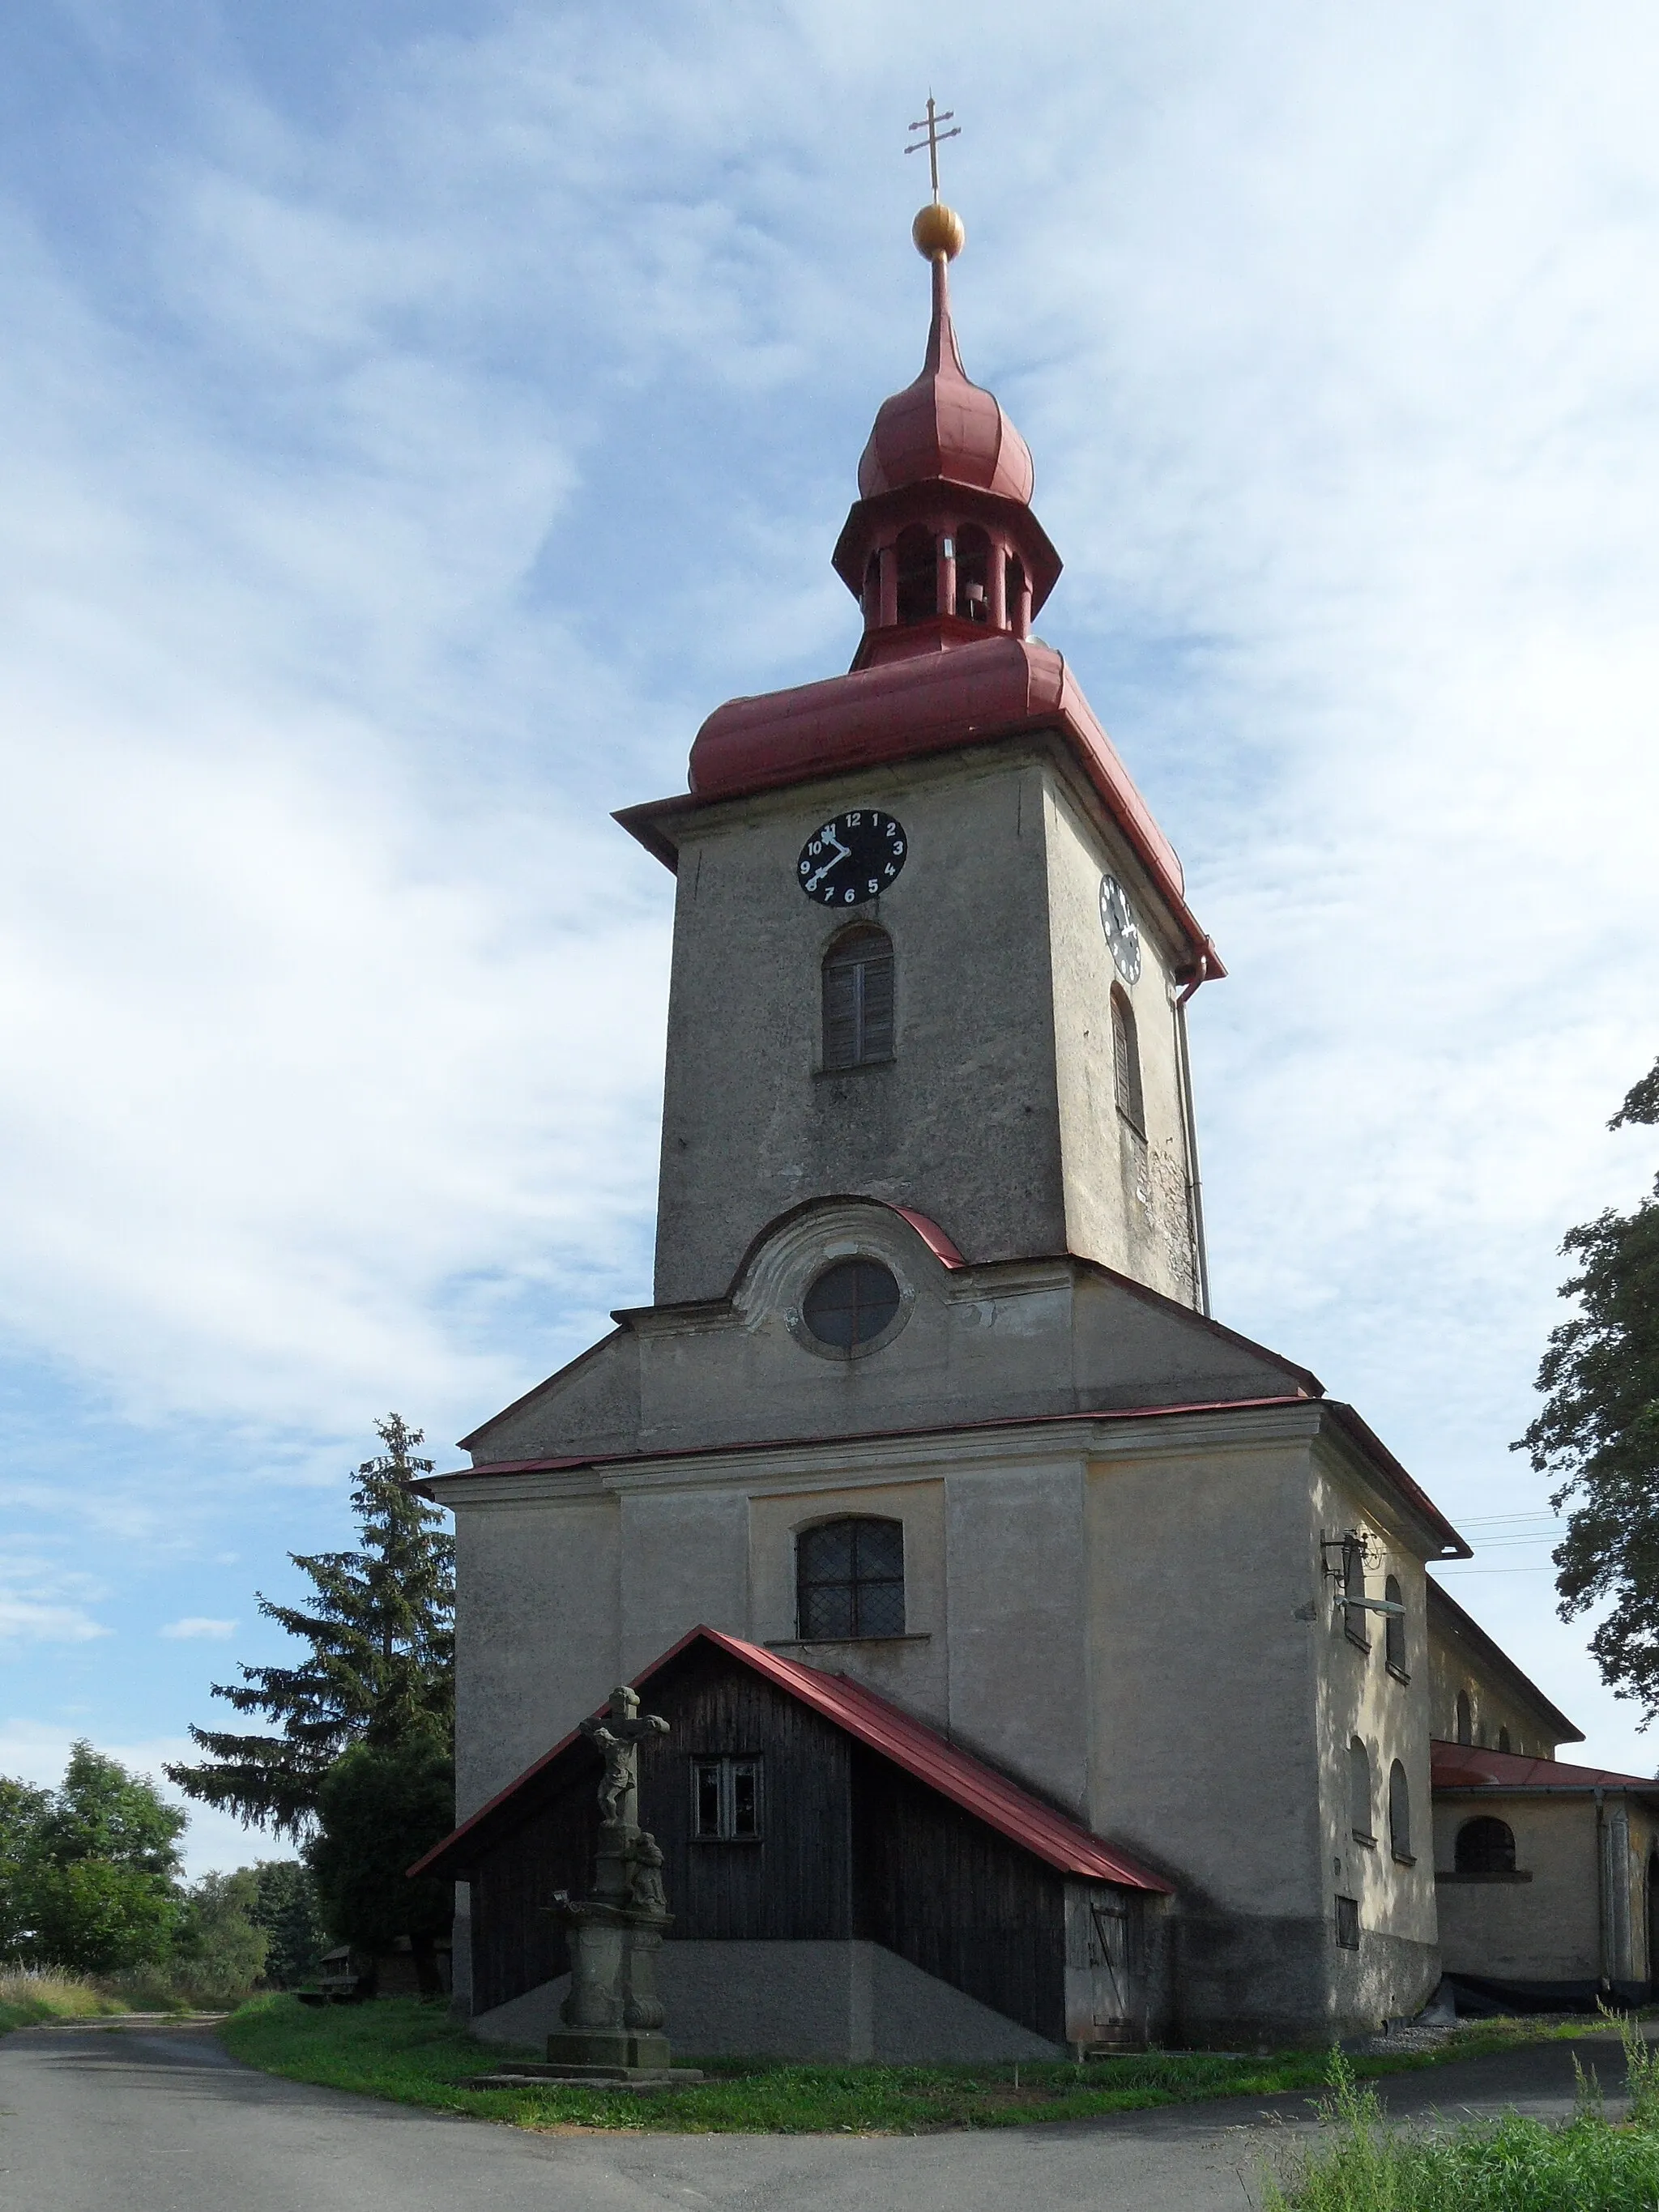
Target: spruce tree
[1600, 1430]
[380, 1669]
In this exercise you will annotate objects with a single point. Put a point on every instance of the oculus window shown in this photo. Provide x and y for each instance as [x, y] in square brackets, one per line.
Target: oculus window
[850, 1304]
[725, 1800]
[849, 1580]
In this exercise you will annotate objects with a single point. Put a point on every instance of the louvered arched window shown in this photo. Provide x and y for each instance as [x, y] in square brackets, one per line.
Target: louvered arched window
[1126, 1062]
[1359, 1792]
[858, 999]
[1400, 1813]
[1394, 1631]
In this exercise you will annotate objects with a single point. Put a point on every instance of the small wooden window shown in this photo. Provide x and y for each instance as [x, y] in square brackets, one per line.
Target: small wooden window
[1394, 1632]
[1359, 1792]
[725, 1800]
[1126, 1062]
[918, 573]
[849, 1580]
[1464, 1718]
[1347, 1923]
[1485, 1846]
[1400, 1815]
[858, 999]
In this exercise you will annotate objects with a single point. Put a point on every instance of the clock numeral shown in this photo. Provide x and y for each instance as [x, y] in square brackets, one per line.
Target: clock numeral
[853, 820]
[850, 897]
[898, 848]
[806, 868]
[873, 886]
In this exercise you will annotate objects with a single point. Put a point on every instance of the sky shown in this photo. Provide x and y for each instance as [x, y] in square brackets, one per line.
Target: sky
[415, 419]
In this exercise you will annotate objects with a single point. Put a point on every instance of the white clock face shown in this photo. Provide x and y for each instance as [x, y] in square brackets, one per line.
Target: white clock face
[1117, 920]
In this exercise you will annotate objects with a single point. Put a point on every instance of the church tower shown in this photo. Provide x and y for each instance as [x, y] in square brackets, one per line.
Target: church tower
[930, 946]
[927, 1431]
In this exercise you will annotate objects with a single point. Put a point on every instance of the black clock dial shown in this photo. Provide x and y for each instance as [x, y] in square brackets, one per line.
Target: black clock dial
[854, 858]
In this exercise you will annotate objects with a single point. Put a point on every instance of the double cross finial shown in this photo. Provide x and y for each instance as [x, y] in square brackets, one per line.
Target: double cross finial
[934, 138]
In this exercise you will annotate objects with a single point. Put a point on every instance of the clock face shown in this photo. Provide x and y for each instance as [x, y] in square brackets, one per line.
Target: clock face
[854, 858]
[1117, 920]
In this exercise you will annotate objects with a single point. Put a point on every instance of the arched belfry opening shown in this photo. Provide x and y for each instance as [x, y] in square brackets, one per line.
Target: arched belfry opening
[916, 559]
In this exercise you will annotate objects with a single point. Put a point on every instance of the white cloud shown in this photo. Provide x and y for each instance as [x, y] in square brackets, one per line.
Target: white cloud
[27, 1619]
[196, 1625]
[404, 504]
[37, 1752]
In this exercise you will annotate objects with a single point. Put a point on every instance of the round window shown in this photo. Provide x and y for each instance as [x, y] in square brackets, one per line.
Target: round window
[850, 1303]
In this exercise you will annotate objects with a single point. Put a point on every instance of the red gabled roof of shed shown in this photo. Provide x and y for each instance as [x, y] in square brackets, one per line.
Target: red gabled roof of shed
[885, 1729]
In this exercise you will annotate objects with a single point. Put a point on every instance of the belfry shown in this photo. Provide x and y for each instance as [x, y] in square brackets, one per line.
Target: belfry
[1043, 1665]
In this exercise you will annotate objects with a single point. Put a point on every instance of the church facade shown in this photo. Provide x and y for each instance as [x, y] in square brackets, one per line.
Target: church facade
[1047, 1665]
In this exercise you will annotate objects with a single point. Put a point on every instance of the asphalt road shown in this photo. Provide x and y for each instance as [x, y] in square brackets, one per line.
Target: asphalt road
[161, 2119]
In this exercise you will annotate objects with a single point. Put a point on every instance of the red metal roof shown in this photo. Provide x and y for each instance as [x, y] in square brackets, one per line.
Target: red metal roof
[996, 687]
[1472, 1766]
[942, 428]
[885, 1729]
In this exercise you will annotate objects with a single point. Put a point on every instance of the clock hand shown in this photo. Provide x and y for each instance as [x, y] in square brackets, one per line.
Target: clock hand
[842, 852]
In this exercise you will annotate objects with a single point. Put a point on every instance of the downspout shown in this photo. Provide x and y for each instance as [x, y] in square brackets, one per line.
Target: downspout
[1195, 1180]
[1602, 1887]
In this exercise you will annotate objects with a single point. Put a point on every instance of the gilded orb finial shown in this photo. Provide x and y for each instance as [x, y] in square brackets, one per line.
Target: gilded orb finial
[939, 230]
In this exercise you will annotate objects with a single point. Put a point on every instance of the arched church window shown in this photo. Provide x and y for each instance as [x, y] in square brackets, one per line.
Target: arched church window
[1126, 1062]
[1359, 1792]
[1485, 1846]
[1353, 1587]
[1504, 1740]
[857, 998]
[917, 558]
[1394, 1632]
[1464, 1718]
[973, 574]
[850, 1579]
[850, 1303]
[1400, 1813]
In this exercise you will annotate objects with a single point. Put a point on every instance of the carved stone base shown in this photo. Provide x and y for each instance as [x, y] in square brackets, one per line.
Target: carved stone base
[603, 2051]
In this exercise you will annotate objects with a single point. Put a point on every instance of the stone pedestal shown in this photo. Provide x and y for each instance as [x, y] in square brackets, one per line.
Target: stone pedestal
[614, 2015]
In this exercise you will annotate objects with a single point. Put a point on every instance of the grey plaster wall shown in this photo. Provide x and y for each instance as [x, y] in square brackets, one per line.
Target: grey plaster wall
[1495, 1704]
[853, 2001]
[967, 1122]
[537, 1631]
[1544, 1930]
[978, 1343]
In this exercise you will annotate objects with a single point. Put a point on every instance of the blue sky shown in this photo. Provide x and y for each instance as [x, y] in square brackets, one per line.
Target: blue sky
[416, 419]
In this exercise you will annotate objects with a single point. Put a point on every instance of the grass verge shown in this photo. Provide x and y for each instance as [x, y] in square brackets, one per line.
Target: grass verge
[29, 1994]
[1512, 2164]
[414, 2053]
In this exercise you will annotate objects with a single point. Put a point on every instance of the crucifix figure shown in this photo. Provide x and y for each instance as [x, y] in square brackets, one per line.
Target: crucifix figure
[617, 1737]
[935, 137]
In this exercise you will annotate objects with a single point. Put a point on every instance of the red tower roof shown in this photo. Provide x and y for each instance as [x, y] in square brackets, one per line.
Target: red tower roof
[942, 429]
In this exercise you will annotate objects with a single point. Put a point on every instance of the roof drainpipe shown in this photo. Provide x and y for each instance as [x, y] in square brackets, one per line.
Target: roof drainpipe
[1601, 1889]
[1195, 1184]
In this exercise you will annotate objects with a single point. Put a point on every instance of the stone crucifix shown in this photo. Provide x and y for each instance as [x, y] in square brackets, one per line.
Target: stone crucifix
[617, 1736]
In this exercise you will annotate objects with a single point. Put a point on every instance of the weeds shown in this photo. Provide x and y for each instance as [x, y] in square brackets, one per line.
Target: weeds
[30, 1994]
[1510, 2165]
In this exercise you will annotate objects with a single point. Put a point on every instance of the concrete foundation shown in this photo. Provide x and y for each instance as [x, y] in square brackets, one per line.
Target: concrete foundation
[853, 2001]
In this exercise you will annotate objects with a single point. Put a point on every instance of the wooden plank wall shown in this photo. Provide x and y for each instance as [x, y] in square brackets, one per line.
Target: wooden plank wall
[957, 1899]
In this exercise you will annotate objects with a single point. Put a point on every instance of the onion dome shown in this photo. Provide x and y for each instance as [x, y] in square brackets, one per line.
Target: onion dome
[943, 428]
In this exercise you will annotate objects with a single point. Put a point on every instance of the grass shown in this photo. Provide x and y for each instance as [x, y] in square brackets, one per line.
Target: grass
[413, 2052]
[29, 1994]
[1513, 2163]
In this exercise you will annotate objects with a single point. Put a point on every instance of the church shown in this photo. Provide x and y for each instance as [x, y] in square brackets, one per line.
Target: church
[1046, 1665]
